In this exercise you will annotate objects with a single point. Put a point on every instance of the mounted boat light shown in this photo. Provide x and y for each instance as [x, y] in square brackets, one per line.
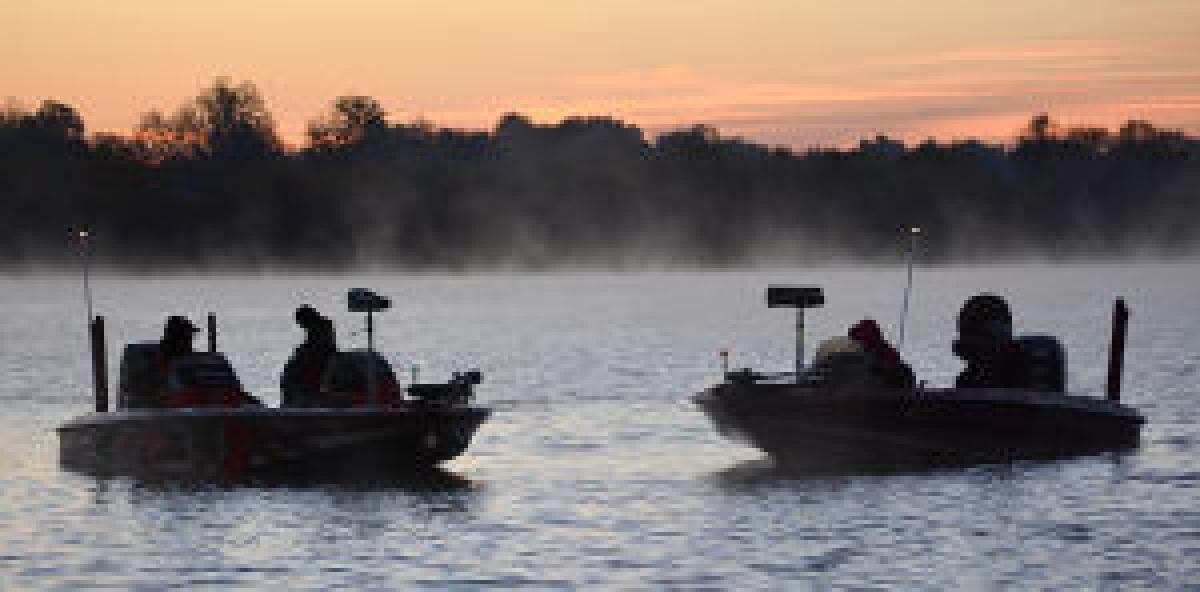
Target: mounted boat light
[799, 298]
[913, 234]
[95, 324]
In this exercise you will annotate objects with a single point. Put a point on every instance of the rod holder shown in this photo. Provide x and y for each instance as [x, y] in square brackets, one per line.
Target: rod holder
[99, 364]
[799, 343]
[1116, 352]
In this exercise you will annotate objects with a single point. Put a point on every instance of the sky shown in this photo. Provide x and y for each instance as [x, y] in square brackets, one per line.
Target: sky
[782, 72]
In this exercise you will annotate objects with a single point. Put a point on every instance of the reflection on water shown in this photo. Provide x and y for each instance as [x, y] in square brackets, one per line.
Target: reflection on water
[428, 480]
[596, 471]
[767, 473]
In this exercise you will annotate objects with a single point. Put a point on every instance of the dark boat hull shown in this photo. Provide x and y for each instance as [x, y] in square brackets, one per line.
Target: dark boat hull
[216, 443]
[823, 427]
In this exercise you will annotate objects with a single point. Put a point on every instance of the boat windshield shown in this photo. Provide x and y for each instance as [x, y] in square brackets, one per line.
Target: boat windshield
[203, 371]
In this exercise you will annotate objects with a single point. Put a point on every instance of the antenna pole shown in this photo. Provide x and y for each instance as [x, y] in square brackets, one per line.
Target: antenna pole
[95, 327]
[913, 233]
[86, 253]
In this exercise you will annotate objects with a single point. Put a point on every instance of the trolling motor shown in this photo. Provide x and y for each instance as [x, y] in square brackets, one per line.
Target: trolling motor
[364, 300]
[458, 390]
[799, 298]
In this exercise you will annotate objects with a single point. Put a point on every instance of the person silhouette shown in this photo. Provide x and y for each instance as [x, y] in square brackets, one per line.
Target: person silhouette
[300, 383]
[886, 363]
[177, 338]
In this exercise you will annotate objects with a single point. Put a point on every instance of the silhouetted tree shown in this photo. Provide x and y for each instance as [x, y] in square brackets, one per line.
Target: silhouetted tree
[211, 182]
[353, 119]
[232, 120]
[54, 119]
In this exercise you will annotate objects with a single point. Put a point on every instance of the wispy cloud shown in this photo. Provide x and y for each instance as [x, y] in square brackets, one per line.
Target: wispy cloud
[1074, 51]
[986, 91]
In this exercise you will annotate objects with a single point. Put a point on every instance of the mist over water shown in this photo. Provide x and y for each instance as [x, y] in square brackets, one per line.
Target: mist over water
[596, 471]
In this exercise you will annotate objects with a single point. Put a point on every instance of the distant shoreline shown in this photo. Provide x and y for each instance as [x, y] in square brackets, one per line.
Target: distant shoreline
[212, 187]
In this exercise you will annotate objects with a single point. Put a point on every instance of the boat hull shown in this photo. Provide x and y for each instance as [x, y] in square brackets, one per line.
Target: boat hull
[822, 427]
[214, 443]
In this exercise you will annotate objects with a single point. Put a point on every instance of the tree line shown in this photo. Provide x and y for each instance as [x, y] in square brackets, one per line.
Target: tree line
[212, 184]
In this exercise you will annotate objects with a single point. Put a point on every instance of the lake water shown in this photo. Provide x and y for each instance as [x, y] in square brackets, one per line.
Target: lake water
[596, 471]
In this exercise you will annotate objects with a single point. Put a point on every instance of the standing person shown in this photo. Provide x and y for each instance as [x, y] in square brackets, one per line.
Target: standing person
[301, 380]
[885, 360]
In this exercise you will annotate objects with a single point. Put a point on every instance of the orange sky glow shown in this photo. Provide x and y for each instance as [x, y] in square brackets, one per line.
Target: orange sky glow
[786, 72]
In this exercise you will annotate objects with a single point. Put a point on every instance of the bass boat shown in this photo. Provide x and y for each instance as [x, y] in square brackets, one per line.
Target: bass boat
[192, 418]
[833, 414]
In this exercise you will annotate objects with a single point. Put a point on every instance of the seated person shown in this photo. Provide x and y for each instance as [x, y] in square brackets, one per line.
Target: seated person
[177, 339]
[176, 342]
[985, 343]
[884, 360]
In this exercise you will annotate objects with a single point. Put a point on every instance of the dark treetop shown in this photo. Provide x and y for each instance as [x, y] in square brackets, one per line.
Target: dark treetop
[213, 185]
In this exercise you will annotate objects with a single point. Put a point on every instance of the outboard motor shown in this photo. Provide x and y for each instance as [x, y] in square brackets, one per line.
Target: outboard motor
[1045, 363]
[141, 379]
[996, 360]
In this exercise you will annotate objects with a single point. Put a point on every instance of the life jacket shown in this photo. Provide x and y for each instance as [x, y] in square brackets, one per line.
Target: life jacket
[867, 333]
[886, 360]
